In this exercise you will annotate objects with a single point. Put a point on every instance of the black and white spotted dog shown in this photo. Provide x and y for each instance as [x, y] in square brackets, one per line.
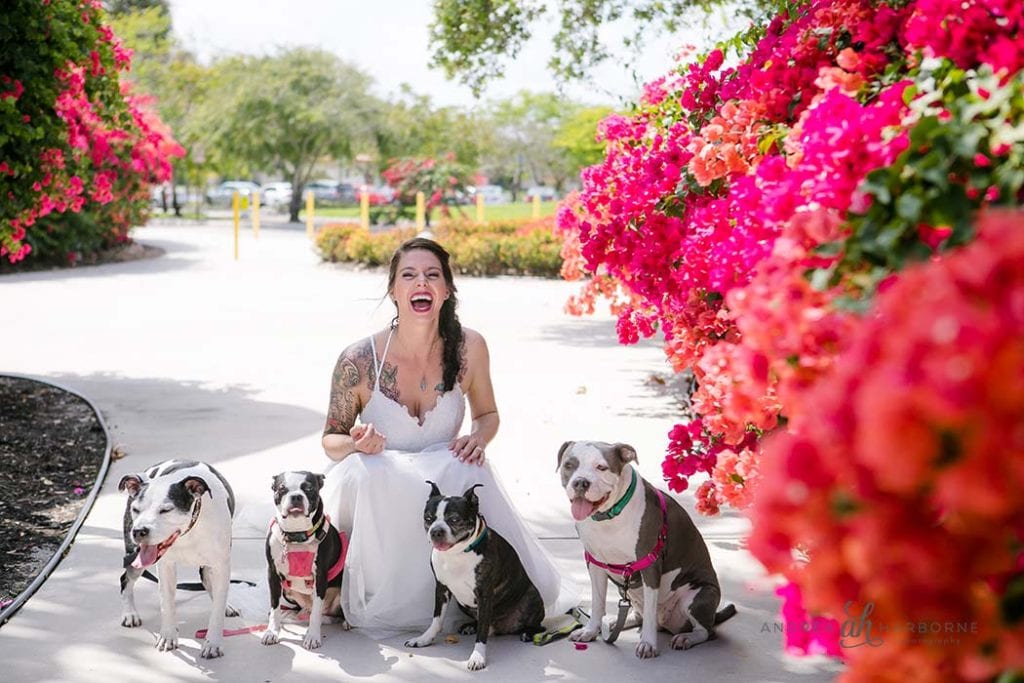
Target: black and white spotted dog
[178, 513]
[473, 563]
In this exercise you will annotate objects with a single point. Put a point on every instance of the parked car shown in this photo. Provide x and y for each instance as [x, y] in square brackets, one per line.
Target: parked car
[221, 194]
[161, 193]
[546, 194]
[492, 194]
[276, 195]
[331, 192]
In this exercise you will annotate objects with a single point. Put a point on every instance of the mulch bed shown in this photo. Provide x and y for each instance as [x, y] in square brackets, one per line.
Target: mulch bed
[51, 449]
[122, 253]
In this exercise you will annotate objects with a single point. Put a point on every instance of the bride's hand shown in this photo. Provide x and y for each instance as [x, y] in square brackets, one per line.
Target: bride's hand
[367, 439]
[469, 449]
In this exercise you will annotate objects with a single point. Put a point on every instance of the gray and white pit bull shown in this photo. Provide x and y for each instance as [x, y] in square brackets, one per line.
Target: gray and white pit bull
[178, 513]
[627, 525]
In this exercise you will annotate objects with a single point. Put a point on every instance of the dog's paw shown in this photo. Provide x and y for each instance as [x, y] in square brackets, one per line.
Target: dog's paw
[131, 620]
[230, 611]
[422, 641]
[476, 662]
[645, 650]
[583, 635]
[468, 629]
[211, 650]
[270, 638]
[166, 642]
[312, 641]
[684, 641]
[345, 626]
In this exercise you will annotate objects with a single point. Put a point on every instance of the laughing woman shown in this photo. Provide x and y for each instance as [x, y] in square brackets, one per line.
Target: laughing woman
[408, 386]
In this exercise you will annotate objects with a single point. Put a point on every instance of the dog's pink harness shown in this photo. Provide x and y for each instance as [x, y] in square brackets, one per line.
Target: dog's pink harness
[627, 570]
[301, 560]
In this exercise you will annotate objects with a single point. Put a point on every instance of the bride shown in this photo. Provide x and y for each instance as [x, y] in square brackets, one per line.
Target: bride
[408, 385]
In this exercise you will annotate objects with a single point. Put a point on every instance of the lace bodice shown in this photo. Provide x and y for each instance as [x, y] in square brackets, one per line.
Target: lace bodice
[403, 431]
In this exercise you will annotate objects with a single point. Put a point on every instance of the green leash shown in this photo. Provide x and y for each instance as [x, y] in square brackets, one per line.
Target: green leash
[578, 617]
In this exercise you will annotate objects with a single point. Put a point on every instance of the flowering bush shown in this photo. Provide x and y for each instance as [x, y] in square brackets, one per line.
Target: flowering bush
[841, 148]
[75, 138]
[440, 180]
[903, 484]
[753, 214]
[511, 247]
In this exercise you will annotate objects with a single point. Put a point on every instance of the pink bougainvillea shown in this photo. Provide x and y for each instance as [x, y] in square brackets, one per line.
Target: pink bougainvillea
[757, 216]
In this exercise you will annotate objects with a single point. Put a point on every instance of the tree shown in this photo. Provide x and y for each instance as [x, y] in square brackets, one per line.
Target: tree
[473, 40]
[165, 71]
[287, 112]
[523, 151]
[577, 137]
[413, 127]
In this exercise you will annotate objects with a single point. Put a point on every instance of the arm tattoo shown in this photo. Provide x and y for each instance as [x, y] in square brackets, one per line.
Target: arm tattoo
[344, 404]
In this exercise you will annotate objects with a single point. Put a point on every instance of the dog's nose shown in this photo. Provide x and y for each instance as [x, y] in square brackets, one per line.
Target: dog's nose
[580, 485]
[296, 499]
[140, 533]
[437, 534]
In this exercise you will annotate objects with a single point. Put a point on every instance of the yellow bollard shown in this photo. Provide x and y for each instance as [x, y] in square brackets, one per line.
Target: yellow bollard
[479, 208]
[421, 211]
[235, 208]
[256, 214]
[536, 206]
[364, 209]
[309, 214]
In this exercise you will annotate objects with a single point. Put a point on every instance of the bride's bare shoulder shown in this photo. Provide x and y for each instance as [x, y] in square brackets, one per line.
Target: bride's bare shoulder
[356, 364]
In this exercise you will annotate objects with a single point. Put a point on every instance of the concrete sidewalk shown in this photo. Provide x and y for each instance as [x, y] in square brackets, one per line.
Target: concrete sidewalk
[196, 355]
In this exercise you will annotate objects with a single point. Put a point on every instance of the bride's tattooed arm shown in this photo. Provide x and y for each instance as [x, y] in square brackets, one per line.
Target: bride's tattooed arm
[354, 368]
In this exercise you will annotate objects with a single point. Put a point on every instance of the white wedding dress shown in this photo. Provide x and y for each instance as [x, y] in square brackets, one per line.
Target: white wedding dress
[378, 499]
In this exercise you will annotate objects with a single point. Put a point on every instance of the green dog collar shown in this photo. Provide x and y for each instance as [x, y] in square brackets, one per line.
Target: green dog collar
[618, 507]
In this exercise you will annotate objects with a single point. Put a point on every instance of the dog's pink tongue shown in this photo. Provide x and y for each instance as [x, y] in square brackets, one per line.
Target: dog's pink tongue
[582, 508]
[147, 556]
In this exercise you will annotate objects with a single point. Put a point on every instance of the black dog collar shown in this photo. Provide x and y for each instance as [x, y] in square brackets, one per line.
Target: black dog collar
[317, 529]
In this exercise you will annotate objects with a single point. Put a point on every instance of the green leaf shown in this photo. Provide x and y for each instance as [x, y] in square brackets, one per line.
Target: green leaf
[908, 207]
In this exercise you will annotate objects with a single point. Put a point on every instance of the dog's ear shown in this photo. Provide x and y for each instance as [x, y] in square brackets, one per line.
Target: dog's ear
[132, 483]
[434, 491]
[196, 486]
[625, 452]
[320, 481]
[561, 452]
[470, 494]
[277, 481]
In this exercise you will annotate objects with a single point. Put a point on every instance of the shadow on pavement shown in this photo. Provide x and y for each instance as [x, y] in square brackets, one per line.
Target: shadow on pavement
[212, 425]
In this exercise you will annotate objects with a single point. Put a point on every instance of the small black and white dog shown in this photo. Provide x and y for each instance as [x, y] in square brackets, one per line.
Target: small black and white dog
[178, 513]
[305, 556]
[473, 563]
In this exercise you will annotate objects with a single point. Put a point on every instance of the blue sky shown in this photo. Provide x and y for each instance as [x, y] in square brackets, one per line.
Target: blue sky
[388, 38]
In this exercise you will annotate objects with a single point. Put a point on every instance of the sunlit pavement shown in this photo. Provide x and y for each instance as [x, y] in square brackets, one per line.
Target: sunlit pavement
[198, 355]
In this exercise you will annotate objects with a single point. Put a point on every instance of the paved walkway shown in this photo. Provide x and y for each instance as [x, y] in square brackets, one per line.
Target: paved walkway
[196, 355]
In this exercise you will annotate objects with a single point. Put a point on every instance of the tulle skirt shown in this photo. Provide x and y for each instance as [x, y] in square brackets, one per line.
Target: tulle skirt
[379, 499]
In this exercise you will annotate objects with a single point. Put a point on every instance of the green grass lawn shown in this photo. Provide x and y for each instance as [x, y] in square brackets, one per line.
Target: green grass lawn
[493, 212]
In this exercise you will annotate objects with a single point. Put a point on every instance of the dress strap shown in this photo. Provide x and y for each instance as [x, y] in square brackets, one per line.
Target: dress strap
[377, 366]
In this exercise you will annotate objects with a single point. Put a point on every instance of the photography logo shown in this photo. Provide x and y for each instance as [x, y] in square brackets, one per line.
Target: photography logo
[858, 629]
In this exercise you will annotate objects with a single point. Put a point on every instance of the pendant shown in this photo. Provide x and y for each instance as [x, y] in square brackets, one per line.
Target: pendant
[423, 383]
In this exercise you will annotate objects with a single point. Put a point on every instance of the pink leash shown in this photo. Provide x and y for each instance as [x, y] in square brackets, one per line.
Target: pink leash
[201, 633]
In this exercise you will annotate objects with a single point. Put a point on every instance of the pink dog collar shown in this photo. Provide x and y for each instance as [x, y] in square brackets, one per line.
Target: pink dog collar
[627, 570]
